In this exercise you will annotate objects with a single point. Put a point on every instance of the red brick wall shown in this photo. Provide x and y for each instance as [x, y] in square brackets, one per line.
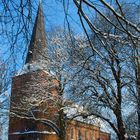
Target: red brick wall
[88, 131]
[104, 136]
[35, 84]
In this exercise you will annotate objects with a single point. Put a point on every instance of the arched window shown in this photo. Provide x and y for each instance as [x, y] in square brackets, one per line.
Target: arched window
[22, 138]
[79, 135]
[91, 136]
[72, 133]
[85, 134]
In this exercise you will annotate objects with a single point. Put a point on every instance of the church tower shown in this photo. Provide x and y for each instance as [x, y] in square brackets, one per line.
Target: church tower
[34, 98]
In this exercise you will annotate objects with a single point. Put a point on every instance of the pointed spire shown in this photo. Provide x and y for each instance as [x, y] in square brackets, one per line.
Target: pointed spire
[38, 39]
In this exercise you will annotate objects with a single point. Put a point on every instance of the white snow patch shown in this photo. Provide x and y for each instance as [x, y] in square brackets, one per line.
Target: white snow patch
[75, 109]
[39, 65]
[72, 110]
[32, 132]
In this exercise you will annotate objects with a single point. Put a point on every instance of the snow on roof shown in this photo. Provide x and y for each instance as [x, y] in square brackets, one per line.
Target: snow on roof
[32, 67]
[32, 132]
[74, 109]
[37, 65]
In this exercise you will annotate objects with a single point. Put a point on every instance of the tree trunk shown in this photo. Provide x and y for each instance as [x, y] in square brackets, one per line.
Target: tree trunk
[62, 125]
[121, 129]
[121, 126]
[118, 111]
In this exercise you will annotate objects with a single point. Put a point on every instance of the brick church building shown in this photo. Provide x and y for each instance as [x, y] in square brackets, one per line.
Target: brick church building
[34, 108]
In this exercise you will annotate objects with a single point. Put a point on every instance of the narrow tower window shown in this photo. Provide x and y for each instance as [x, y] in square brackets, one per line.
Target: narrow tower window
[79, 135]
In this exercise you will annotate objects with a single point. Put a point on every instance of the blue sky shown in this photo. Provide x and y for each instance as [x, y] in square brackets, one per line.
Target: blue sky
[54, 14]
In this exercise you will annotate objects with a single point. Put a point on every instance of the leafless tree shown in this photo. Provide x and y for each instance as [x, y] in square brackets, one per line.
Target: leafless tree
[105, 77]
[109, 43]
